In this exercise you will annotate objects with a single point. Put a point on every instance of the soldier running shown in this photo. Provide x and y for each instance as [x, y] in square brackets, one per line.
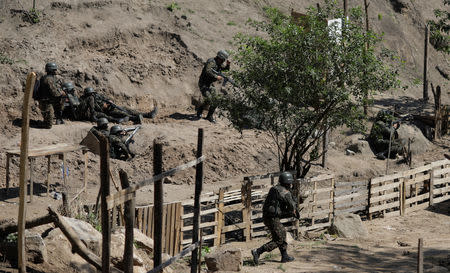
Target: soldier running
[206, 80]
[279, 203]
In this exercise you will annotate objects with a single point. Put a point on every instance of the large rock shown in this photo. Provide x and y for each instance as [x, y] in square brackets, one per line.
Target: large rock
[224, 260]
[419, 143]
[91, 237]
[117, 249]
[348, 226]
[358, 144]
[141, 240]
[35, 247]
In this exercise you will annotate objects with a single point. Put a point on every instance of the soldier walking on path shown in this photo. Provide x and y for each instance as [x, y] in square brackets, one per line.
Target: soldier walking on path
[49, 97]
[206, 80]
[279, 203]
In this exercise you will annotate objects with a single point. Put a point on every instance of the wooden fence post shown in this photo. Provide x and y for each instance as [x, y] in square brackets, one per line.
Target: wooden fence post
[22, 259]
[129, 226]
[198, 191]
[104, 184]
[345, 8]
[246, 192]
[369, 185]
[425, 66]
[420, 256]
[220, 217]
[431, 188]
[325, 148]
[158, 207]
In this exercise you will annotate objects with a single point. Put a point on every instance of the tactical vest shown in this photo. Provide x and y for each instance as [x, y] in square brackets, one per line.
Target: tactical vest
[275, 204]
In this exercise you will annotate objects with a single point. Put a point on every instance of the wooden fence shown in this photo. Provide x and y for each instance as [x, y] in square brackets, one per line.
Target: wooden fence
[236, 213]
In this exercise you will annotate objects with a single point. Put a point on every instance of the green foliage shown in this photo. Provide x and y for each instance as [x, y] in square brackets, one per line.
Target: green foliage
[417, 81]
[5, 59]
[298, 80]
[440, 28]
[281, 268]
[12, 237]
[380, 16]
[173, 6]
[92, 219]
[231, 23]
[34, 16]
[205, 250]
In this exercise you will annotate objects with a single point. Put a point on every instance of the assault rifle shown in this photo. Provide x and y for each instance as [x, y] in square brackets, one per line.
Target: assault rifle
[109, 102]
[130, 137]
[225, 78]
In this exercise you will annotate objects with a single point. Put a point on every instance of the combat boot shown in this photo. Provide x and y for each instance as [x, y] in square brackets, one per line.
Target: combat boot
[285, 258]
[256, 253]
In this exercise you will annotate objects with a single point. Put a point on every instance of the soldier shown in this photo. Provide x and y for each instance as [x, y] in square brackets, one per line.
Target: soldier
[279, 203]
[71, 101]
[118, 149]
[380, 136]
[101, 128]
[49, 97]
[206, 80]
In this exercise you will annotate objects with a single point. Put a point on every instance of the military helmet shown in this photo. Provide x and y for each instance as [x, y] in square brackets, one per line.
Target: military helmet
[102, 123]
[88, 90]
[67, 86]
[115, 130]
[51, 67]
[286, 178]
[222, 54]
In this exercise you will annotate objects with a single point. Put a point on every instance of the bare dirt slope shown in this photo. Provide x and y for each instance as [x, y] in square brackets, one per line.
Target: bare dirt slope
[138, 52]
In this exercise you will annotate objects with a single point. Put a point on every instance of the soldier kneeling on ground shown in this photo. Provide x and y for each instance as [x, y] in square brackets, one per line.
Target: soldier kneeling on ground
[118, 148]
[384, 127]
[279, 204]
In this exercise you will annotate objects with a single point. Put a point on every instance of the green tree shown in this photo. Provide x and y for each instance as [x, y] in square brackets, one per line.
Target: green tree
[297, 80]
[440, 28]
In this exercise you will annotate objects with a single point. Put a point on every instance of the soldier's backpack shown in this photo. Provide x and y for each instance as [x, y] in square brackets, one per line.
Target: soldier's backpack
[37, 93]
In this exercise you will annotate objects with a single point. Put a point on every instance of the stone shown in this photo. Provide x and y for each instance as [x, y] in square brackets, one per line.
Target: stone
[35, 247]
[419, 143]
[349, 152]
[143, 241]
[348, 225]
[117, 249]
[224, 260]
[91, 237]
[360, 147]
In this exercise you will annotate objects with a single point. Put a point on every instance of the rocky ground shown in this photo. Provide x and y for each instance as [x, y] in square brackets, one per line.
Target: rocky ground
[138, 52]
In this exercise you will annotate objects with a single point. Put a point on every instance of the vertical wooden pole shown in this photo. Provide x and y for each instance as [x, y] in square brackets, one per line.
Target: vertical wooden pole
[331, 214]
[402, 193]
[369, 185]
[48, 173]
[437, 113]
[425, 66]
[431, 188]
[366, 95]
[246, 193]
[31, 179]
[420, 256]
[198, 192]
[220, 217]
[129, 226]
[200, 252]
[85, 154]
[106, 227]
[8, 159]
[158, 207]
[409, 156]
[345, 9]
[325, 148]
[22, 259]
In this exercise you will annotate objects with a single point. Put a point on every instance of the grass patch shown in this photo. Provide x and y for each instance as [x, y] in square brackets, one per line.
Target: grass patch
[281, 268]
[231, 23]
[173, 6]
[5, 59]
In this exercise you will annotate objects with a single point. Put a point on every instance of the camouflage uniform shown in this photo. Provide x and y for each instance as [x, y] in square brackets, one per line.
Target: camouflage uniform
[205, 83]
[50, 103]
[279, 203]
[97, 132]
[380, 135]
[118, 149]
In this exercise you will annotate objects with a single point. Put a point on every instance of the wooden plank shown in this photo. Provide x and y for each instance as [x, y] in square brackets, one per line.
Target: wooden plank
[342, 192]
[385, 178]
[395, 204]
[139, 219]
[233, 207]
[440, 163]
[351, 184]
[442, 171]
[385, 197]
[203, 212]
[417, 170]
[49, 150]
[145, 221]
[441, 199]
[418, 198]
[349, 204]
[202, 200]
[418, 178]
[112, 201]
[321, 177]
[321, 190]
[259, 233]
[202, 225]
[430, 193]
[258, 225]
[204, 238]
[220, 218]
[353, 195]
[386, 187]
[316, 226]
[315, 214]
[443, 190]
[439, 181]
[179, 226]
[233, 227]
[417, 207]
